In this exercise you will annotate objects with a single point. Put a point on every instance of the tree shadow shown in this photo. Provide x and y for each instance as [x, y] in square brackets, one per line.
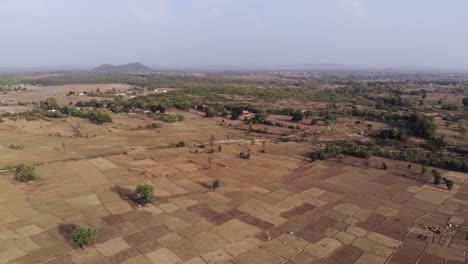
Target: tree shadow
[205, 185]
[126, 194]
[66, 229]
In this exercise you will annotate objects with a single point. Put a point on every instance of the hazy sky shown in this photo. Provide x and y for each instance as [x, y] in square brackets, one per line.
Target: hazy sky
[432, 33]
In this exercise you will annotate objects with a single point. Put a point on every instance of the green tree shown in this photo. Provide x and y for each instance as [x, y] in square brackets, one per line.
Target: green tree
[145, 194]
[25, 173]
[83, 236]
[448, 183]
[465, 101]
[297, 116]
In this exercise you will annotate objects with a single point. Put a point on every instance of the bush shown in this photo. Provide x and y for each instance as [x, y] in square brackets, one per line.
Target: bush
[216, 184]
[314, 122]
[210, 113]
[244, 155]
[25, 173]
[83, 236]
[384, 166]
[145, 194]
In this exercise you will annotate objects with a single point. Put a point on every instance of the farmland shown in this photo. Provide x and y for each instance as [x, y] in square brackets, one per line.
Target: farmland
[325, 169]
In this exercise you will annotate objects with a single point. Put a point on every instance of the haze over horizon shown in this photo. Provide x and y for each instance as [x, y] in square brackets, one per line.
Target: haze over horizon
[192, 33]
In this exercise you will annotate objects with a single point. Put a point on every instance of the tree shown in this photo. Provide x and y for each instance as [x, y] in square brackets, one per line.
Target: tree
[384, 166]
[437, 176]
[215, 185]
[83, 236]
[313, 122]
[25, 173]
[448, 183]
[212, 140]
[297, 116]
[220, 148]
[465, 101]
[410, 166]
[145, 194]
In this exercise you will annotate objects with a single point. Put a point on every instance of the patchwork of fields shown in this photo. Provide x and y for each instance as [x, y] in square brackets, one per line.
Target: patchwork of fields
[274, 208]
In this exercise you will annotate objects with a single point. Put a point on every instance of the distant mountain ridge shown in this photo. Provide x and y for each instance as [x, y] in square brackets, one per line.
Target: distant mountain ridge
[136, 68]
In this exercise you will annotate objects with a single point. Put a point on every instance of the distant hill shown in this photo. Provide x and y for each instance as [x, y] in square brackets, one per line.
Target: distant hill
[136, 68]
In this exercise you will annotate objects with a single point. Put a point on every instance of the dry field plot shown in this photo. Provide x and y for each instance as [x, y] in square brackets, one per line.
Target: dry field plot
[274, 208]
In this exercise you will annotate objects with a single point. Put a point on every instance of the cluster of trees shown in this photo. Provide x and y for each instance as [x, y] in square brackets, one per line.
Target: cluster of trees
[394, 133]
[50, 108]
[340, 148]
[448, 159]
[261, 118]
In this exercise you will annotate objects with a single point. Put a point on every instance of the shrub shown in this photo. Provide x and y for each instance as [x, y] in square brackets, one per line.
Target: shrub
[216, 184]
[314, 122]
[179, 144]
[83, 236]
[145, 194]
[25, 173]
[384, 166]
[366, 163]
